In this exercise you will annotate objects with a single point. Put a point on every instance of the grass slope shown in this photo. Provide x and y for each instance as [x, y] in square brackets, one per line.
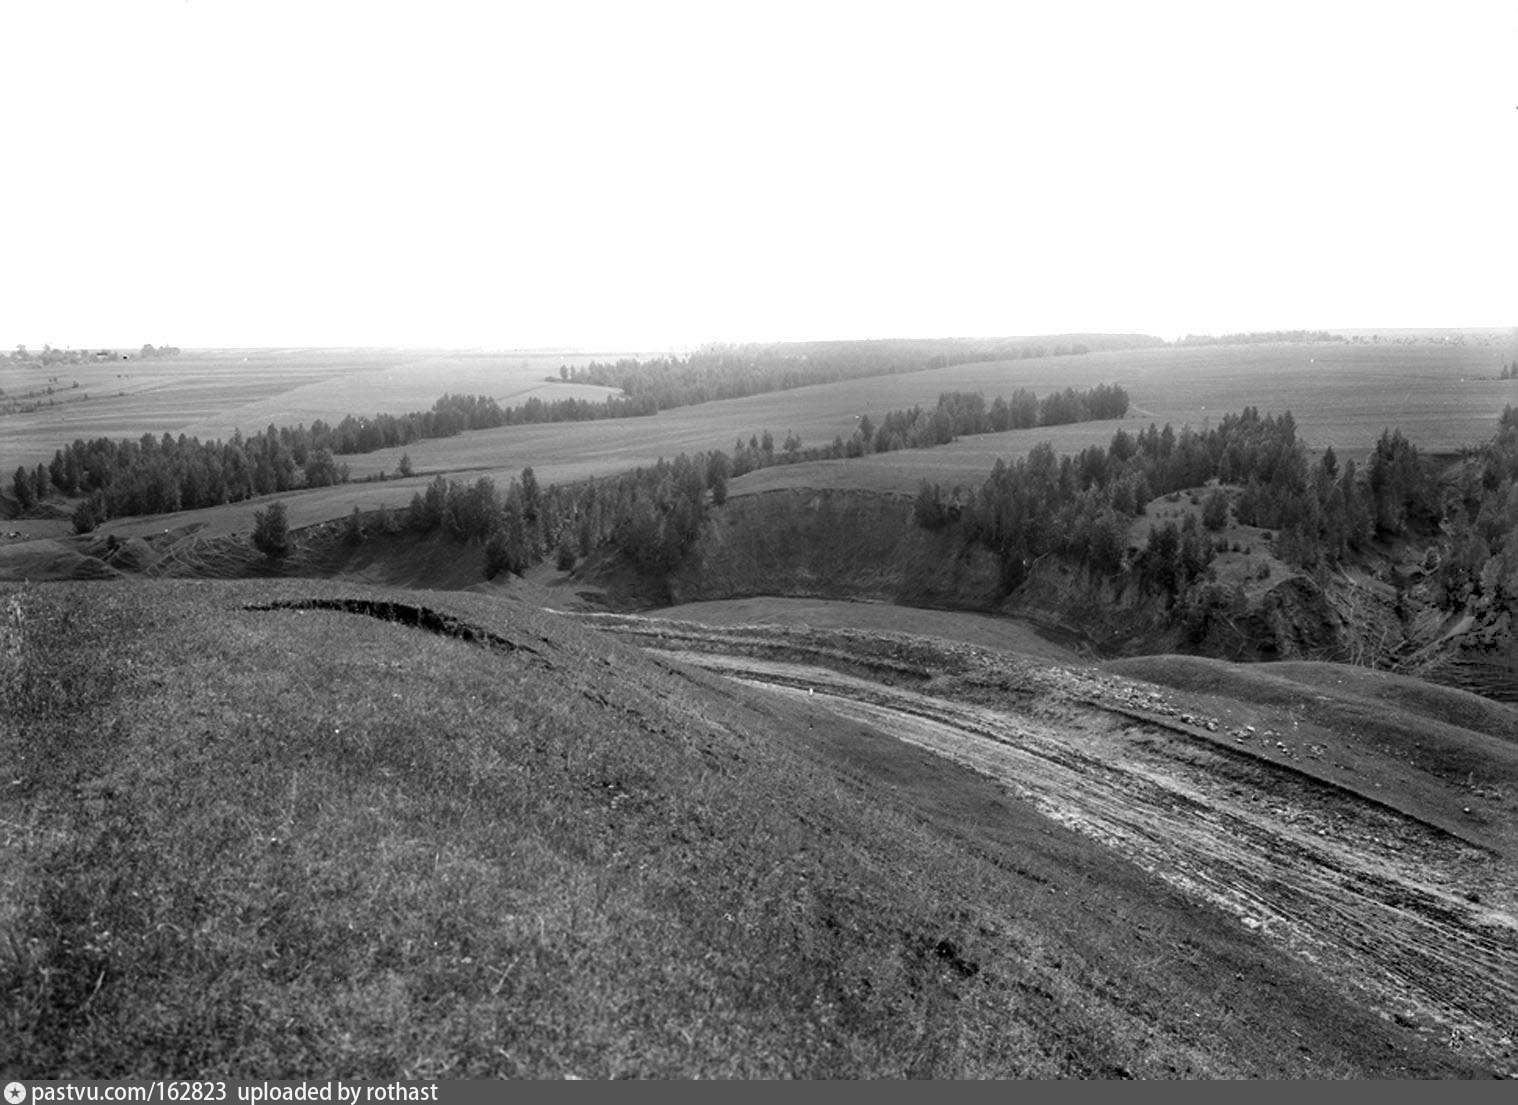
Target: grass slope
[285, 842]
[1447, 755]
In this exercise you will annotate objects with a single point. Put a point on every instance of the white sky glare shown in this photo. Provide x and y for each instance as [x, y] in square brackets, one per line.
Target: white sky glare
[645, 175]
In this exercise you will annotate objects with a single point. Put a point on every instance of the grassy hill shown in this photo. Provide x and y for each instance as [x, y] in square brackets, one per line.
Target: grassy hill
[304, 828]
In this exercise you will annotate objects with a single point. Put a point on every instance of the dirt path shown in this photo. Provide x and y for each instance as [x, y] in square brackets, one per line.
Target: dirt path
[1425, 924]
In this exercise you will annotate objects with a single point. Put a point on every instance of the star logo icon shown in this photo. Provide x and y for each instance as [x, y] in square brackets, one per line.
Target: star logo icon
[15, 1093]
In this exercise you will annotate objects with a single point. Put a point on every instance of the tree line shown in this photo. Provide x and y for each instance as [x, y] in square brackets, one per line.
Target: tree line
[735, 371]
[1260, 337]
[161, 475]
[50, 356]
[167, 474]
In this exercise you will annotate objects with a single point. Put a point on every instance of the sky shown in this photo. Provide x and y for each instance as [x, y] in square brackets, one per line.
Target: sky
[645, 175]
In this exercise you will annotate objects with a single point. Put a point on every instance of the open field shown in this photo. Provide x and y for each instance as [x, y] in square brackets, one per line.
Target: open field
[210, 393]
[316, 829]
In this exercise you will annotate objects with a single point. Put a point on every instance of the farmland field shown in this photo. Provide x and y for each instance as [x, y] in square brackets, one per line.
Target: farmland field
[1441, 395]
[211, 393]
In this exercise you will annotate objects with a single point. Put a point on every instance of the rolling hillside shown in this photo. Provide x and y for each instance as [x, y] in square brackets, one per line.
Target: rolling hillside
[296, 828]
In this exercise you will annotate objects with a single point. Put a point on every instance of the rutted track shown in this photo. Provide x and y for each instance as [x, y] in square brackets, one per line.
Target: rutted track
[1424, 923]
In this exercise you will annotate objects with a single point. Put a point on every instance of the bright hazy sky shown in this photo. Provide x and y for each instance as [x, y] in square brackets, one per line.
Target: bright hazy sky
[647, 174]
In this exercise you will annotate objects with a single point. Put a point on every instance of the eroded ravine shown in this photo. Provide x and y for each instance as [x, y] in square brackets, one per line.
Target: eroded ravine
[1423, 922]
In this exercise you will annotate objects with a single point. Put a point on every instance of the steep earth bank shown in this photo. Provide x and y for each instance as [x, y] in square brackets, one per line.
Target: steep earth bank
[859, 545]
[866, 546]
